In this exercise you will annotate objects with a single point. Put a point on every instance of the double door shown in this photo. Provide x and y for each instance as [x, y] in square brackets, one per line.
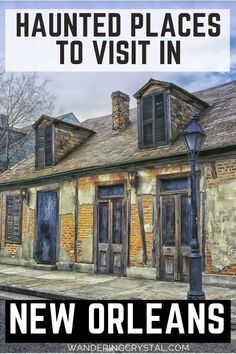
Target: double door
[111, 236]
[175, 236]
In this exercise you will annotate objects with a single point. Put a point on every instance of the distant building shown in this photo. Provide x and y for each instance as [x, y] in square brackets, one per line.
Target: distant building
[22, 141]
[112, 195]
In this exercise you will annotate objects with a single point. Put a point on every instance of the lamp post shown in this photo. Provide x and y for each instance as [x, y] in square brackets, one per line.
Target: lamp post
[194, 136]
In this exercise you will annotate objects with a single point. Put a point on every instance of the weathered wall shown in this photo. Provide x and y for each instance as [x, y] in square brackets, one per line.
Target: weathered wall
[221, 217]
[86, 209]
[25, 249]
[180, 112]
[218, 185]
[146, 193]
[120, 110]
[67, 139]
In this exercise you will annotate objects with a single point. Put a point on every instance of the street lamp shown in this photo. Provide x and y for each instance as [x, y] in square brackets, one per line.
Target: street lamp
[194, 136]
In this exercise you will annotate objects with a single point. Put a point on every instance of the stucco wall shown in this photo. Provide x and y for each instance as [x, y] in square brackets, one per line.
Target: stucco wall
[221, 217]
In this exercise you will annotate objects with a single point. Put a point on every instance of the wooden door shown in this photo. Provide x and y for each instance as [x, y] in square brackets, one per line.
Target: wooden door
[169, 249]
[111, 236]
[117, 237]
[47, 227]
[175, 236]
[103, 237]
[185, 236]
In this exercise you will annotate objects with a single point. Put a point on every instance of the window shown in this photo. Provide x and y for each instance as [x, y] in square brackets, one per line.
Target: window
[153, 121]
[44, 150]
[13, 219]
[111, 191]
[174, 184]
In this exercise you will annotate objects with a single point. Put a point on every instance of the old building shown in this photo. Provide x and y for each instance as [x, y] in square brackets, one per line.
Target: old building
[21, 141]
[112, 194]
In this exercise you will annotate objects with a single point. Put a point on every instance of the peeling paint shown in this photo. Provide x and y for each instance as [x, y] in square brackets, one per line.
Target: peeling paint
[148, 228]
[32, 198]
[139, 257]
[86, 193]
[33, 192]
[147, 184]
[221, 225]
[67, 198]
[25, 251]
[86, 250]
[63, 256]
[133, 196]
[104, 178]
[172, 169]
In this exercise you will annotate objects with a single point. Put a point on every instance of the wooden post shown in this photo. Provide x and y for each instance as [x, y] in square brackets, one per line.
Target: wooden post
[141, 220]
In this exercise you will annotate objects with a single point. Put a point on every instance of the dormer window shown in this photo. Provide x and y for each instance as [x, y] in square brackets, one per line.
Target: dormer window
[164, 109]
[57, 138]
[44, 150]
[153, 120]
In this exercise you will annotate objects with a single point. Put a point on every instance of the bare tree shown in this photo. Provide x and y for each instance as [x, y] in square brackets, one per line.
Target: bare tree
[23, 99]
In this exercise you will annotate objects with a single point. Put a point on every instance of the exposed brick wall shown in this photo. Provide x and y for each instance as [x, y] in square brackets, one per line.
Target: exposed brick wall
[120, 110]
[85, 232]
[24, 219]
[208, 260]
[3, 223]
[221, 210]
[221, 171]
[231, 270]
[147, 209]
[32, 224]
[68, 234]
[135, 238]
[12, 248]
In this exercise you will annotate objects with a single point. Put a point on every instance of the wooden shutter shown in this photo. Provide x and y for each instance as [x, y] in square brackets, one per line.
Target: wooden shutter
[159, 116]
[13, 219]
[40, 146]
[44, 151]
[153, 120]
[48, 145]
[147, 117]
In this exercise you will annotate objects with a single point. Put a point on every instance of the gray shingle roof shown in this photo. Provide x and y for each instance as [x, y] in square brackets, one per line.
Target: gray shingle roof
[106, 147]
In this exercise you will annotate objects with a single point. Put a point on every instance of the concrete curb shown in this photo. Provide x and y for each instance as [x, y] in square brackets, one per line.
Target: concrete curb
[51, 295]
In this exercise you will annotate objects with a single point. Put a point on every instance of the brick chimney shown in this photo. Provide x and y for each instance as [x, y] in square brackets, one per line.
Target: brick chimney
[120, 110]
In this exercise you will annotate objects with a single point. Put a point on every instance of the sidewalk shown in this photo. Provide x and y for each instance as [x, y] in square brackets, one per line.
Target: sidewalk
[72, 285]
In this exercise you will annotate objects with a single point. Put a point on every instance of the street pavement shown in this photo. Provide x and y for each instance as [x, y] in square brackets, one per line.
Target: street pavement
[26, 283]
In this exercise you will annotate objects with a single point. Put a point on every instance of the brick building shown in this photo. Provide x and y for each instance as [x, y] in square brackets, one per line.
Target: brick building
[112, 194]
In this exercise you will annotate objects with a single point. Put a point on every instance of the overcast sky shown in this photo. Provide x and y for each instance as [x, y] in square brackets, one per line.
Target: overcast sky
[88, 95]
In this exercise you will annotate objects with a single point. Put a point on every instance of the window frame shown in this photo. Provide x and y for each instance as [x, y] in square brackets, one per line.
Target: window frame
[113, 196]
[19, 241]
[141, 121]
[44, 126]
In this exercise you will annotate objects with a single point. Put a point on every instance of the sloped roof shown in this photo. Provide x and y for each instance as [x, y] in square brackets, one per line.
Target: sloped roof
[69, 117]
[177, 90]
[107, 148]
[60, 121]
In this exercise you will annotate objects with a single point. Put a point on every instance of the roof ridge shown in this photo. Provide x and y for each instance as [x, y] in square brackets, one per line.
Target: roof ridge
[215, 87]
[103, 117]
